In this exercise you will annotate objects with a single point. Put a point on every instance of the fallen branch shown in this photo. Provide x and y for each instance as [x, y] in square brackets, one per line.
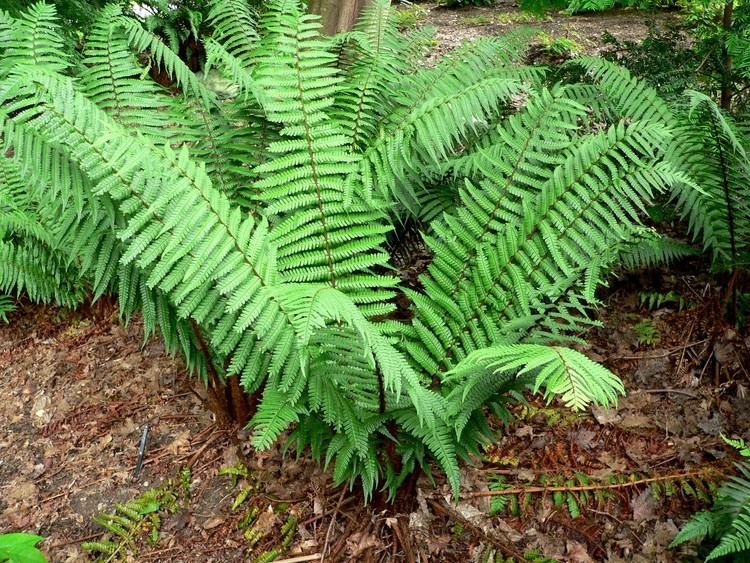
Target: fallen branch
[599, 487]
[647, 356]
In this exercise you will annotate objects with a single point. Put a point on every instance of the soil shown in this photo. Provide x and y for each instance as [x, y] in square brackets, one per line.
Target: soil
[77, 390]
[586, 31]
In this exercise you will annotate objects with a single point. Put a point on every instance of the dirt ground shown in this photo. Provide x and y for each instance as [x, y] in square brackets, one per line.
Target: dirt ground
[77, 390]
[453, 26]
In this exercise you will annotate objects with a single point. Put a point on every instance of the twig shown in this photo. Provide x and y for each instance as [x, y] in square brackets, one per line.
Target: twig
[158, 553]
[601, 487]
[676, 391]
[663, 355]
[739, 361]
[319, 516]
[330, 526]
[684, 350]
[196, 456]
[300, 558]
[77, 540]
[706, 365]
[141, 453]
[615, 518]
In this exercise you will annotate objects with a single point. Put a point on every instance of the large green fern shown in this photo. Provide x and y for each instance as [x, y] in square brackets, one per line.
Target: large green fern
[249, 224]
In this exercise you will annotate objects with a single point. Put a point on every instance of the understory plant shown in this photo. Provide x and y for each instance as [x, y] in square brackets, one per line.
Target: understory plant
[252, 224]
[20, 547]
[581, 6]
[727, 524]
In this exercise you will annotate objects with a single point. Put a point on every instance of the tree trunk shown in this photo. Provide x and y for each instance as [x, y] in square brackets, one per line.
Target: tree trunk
[726, 71]
[337, 15]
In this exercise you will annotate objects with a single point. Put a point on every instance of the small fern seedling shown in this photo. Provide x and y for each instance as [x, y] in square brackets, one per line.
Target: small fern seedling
[130, 521]
[647, 333]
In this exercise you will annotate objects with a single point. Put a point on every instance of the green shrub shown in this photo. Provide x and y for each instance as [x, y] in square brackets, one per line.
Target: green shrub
[664, 59]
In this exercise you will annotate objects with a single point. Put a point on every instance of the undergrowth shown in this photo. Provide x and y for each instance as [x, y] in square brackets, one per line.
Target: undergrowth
[252, 225]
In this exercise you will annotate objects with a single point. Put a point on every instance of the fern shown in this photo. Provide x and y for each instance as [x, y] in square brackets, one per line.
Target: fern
[712, 151]
[114, 81]
[7, 305]
[648, 249]
[35, 39]
[234, 28]
[561, 371]
[131, 520]
[738, 444]
[728, 521]
[319, 238]
[250, 228]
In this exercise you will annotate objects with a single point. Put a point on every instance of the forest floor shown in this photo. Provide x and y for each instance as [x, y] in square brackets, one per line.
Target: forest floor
[78, 388]
[584, 32]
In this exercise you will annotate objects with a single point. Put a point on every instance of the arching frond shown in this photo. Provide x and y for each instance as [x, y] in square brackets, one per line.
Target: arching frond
[34, 39]
[234, 28]
[515, 265]
[318, 238]
[712, 152]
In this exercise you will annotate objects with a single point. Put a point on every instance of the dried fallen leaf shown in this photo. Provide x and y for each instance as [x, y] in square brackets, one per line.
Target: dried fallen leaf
[584, 438]
[577, 552]
[181, 443]
[605, 416]
[214, 522]
[635, 421]
[644, 506]
[525, 430]
[359, 542]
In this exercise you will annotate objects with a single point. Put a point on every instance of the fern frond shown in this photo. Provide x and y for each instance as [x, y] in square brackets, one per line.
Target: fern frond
[217, 54]
[626, 96]
[114, 80]
[274, 415]
[234, 28]
[318, 238]
[440, 439]
[7, 305]
[735, 542]
[373, 65]
[527, 141]
[728, 521]
[428, 136]
[312, 308]
[30, 258]
[522, 268]
[181, 233]
[560, 371]
[146, 42]
[648, 249]
[35, 39]
[711, 150]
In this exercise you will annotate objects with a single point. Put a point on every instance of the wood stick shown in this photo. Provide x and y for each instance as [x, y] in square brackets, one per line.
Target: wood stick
[600, 487]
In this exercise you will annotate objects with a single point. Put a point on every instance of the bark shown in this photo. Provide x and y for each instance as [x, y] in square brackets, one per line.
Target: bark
[337, 15]
[726, 71]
